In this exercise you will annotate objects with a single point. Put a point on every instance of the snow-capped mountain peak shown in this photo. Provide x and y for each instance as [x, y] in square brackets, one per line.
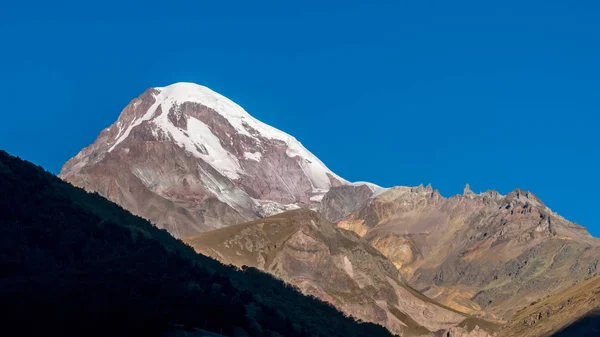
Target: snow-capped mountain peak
[198, 134]
[210, 148]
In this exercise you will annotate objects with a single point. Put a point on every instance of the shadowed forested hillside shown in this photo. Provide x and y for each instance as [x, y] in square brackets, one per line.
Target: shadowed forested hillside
[75, 264]
[588, 326]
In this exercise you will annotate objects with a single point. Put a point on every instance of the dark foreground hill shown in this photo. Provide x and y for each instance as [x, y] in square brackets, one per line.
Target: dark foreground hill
[73, 264]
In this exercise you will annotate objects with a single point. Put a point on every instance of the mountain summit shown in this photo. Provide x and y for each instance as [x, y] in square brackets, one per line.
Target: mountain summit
[190, 159]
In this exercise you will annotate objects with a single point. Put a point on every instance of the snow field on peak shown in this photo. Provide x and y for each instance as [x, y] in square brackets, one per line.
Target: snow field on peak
[199, 134]
[253, 155]
[199, 140]
[239, 119]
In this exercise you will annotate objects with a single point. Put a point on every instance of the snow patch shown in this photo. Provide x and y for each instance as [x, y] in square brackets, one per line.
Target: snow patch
[231, 195]
[318, 194]
[267, 208]
[317, 197]
[348, 267]
[148, 115]
[253, 155]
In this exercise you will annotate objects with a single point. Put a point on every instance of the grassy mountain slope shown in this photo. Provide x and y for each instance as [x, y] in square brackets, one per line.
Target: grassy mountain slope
[305, 249]
[574, 311]
[73, 263]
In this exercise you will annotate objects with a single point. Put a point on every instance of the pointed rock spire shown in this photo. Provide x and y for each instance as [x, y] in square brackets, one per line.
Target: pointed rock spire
[517, 192]
[467, 191]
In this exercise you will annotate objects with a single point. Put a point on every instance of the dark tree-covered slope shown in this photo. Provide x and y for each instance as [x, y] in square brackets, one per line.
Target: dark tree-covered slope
[588, 326]
[74, 264]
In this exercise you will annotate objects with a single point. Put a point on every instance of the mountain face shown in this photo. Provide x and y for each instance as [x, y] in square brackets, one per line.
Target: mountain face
[189, 160]
[474, 252]
[337, 266]
[574, 311]
[76, 264]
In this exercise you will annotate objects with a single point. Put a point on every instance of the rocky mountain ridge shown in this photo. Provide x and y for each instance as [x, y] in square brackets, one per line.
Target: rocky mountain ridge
[486, 252]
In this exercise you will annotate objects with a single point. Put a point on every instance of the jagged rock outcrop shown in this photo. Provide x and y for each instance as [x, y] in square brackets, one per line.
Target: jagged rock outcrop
[335, 265]
[479, 253]
[342, 200]
[189, 160]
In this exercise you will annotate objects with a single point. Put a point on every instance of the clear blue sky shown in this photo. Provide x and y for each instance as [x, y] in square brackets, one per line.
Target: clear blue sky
[397, 93]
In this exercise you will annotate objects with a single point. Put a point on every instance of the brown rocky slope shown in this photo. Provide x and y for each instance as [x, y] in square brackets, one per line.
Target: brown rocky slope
[335, 265]
[574, 311]
[479, 253]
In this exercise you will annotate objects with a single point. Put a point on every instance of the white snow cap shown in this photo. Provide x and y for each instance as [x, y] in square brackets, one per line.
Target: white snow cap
[200, 136]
